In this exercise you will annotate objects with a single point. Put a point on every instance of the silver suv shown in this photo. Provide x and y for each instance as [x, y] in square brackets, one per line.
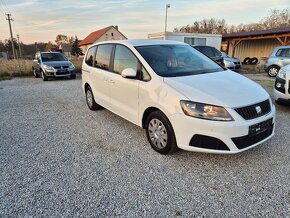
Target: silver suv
[279, 57]
[52, 64]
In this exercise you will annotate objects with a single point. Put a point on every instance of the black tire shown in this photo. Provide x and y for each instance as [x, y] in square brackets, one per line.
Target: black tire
[254, 60]
[91, 100]
[273, 70]
[44, 77]
[36, 75]
[73, 76]
[167, 146]
[246, 60]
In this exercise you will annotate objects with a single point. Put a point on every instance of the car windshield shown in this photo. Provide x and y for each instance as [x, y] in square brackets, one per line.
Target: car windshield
[177, 60]
[46, 57]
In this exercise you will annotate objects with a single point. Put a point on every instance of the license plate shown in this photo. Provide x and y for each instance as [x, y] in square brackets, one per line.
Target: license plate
[260, 127]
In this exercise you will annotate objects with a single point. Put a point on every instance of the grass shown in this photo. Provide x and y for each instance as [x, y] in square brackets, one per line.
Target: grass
[18, 68]
[268, 83]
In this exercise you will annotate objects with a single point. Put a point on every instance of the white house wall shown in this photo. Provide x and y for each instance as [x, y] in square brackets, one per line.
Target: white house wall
[211, 39]
[108, 36]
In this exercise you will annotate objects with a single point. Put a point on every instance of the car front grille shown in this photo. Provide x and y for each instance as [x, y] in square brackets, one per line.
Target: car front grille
[254, 111]
[251, 139]
[61, 67]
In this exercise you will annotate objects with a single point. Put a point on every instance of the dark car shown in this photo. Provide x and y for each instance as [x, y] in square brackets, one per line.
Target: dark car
[52, 64]
[212, 53]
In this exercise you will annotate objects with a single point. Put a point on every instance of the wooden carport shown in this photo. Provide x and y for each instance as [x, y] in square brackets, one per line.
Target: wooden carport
[281, 34]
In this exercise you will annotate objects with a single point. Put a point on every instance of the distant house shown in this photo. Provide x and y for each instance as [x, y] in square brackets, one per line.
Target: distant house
[107, 33]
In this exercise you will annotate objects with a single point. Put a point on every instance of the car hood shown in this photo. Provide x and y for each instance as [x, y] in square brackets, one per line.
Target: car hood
[231, 59]
[224, 88]
[57, 63]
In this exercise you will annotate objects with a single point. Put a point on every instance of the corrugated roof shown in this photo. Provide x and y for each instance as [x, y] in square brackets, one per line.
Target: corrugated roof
[92, 37]
[258, 33]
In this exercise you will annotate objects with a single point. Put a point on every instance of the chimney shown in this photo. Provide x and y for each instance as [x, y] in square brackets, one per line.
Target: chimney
[116, 27]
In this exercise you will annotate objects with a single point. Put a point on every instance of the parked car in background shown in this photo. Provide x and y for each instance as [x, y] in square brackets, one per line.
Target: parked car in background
[282, 85]
[52, 64]
[231, 63]
[180, 96]
[211, 52]
[279, 57]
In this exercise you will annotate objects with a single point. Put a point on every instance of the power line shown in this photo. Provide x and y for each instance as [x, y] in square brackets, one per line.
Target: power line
[2, 8]
[4, 4]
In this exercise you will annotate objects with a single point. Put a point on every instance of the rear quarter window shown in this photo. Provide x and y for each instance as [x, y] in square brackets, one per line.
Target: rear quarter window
[90, 56]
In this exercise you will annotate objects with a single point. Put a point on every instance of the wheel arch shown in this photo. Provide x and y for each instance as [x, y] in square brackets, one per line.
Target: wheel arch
[146, 113]
[86, 86]
[273, 65]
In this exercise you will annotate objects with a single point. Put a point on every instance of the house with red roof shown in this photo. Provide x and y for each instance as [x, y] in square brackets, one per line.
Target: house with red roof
[105, 34]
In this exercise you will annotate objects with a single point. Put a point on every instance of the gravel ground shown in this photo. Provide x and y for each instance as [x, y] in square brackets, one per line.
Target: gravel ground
[59, 159]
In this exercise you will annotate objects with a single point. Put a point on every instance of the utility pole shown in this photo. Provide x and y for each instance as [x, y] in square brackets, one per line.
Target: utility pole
[20, 53]
[9, 21]
[167, 6]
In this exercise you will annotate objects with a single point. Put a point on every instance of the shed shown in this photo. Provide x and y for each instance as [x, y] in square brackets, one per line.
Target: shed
[256, 43]
[213, 40]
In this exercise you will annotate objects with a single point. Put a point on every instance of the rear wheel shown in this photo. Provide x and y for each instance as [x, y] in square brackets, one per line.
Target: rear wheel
[273, 71]
[91, 100]
[160, 133]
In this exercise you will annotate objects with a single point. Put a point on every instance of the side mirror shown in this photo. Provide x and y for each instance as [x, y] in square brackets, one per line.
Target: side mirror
[129, 73]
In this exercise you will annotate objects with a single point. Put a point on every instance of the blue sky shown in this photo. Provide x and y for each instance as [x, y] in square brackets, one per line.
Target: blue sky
[42, 20]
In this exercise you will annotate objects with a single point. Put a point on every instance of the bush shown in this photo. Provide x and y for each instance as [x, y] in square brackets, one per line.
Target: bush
[14, 68]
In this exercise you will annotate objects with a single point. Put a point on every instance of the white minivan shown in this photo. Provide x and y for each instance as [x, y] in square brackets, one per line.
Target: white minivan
[181, 97]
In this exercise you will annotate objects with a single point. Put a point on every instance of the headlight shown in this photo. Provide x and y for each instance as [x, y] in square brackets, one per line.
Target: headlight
[71, 67]
[282, 73]
[48, 68]
[205, 111]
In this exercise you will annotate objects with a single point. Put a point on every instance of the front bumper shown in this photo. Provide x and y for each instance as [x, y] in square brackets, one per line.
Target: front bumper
[186, 127]
[60, 73]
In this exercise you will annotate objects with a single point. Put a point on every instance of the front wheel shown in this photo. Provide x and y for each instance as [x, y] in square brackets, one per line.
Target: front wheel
[44, 77]
[273, 71]
[73, 76]
[35, 73]
[160, 133]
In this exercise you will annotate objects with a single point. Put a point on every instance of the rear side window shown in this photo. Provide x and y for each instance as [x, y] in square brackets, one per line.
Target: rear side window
[208, 51]
[216, 52]
[90, 56]
[103, 56]
[281, 53]
[287, 52]
[124, 58]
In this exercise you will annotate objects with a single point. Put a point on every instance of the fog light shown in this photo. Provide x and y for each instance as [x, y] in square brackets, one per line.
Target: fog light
[278, 85]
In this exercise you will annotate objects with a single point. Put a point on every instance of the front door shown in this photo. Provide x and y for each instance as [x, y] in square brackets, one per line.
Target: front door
[124, 91]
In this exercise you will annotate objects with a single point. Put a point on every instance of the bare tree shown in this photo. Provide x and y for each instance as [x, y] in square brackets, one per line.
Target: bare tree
[277, 18]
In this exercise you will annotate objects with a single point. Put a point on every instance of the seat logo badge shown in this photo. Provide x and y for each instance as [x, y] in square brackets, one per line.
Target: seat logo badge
[259, 110]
